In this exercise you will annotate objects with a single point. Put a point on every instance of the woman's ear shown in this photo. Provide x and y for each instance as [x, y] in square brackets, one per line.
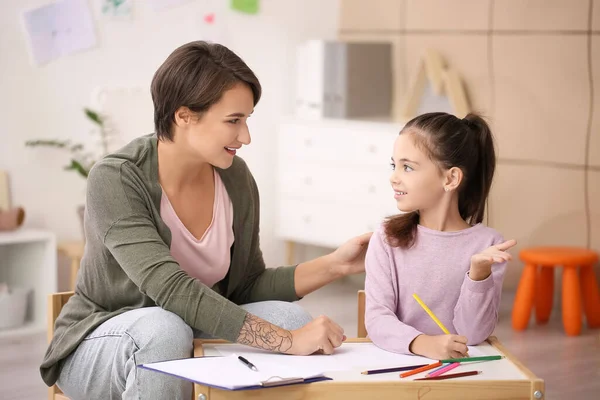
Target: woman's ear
[183, 116]
[453, 179]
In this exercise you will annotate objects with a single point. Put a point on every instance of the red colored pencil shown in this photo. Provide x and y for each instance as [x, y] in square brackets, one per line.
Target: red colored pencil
[416, 371]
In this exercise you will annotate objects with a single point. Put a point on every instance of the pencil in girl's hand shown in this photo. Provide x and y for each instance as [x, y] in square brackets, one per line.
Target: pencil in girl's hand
[450, 376]
[431, 314]
[433, 317]
[422, 369]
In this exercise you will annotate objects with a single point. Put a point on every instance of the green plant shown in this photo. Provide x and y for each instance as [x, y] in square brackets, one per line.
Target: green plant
[80, 161]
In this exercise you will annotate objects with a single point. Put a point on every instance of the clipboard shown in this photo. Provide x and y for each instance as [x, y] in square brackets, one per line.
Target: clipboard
[228, 373]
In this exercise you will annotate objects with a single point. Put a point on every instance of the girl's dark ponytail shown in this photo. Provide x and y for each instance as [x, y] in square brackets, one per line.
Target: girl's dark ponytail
[473, 197]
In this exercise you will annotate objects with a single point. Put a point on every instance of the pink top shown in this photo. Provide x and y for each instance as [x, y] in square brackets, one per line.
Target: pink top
[436, 269]
[207, 259]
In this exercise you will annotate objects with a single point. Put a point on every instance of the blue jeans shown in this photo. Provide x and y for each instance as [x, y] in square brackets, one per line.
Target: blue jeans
[104, 365]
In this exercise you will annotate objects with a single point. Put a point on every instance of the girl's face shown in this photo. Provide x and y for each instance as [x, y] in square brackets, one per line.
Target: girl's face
[417, 181]
[219, 132]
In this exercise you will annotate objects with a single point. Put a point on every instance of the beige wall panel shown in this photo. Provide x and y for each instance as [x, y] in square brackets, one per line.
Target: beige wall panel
[594, 148]
[541, 97]
[594, 201]
[541, 15]
[537, 206]
[596, 16]
[447, 15]
[371, 15]
[468, 54]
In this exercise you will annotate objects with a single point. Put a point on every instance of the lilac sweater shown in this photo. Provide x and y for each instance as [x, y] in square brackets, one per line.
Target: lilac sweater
[435, 268]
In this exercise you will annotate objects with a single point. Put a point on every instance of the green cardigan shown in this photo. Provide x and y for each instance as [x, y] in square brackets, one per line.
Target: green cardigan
[127, 263]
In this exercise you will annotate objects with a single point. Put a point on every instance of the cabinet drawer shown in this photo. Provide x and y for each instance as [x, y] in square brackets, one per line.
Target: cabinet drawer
[355, 143]
[326, 224]
[343, 183]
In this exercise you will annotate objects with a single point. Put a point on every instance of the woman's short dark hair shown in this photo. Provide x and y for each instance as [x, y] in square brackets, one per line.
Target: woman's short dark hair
[195, 76]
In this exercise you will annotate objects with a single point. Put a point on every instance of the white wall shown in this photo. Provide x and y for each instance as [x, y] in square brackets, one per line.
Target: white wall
[47, 101]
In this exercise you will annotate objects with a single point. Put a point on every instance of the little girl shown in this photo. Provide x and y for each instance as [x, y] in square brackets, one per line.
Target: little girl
[438, 248]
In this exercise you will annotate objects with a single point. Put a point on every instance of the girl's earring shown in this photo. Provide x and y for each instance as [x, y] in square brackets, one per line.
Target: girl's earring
[446, 189]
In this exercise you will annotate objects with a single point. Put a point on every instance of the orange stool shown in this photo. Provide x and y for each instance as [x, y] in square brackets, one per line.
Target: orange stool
[537, 287]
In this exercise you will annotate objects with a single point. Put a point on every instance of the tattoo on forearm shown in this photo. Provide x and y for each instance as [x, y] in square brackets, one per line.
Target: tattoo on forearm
[259, 333]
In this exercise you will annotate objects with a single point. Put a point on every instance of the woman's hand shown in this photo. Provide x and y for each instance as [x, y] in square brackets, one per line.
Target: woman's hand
[321, 335]
[481, 264]
[349, 258]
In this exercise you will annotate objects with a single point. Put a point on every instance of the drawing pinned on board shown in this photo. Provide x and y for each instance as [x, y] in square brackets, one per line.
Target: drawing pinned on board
[59, 29]
[117, 9]
[245, 6]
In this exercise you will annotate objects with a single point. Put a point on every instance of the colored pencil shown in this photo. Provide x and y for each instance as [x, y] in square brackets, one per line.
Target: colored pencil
[443, 366]
[433, 317]
[449, 376]
[431, 314]
[422, 369]
[468, 359]
[442, 370]
[395, 369]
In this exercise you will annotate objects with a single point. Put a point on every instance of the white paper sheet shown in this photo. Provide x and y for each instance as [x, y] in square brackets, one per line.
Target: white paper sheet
[58, 29]
[349, 360]
[349, 356]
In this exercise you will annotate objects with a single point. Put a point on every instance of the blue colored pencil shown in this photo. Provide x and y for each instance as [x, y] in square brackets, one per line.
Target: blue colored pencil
[437, 369]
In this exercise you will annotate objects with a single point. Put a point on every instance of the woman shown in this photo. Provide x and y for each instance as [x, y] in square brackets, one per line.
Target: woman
[172, 245]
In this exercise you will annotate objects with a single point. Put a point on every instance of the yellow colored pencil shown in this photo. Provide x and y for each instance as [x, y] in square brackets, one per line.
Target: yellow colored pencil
[431, 314]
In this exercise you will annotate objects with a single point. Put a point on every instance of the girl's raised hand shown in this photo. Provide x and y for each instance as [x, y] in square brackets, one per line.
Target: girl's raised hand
[481, 263]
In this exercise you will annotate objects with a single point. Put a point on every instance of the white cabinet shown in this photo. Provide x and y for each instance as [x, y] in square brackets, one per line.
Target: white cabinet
[28, 259]
[333, 179]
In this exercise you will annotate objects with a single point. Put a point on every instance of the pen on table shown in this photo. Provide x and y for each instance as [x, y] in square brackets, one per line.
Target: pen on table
[248, 363]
